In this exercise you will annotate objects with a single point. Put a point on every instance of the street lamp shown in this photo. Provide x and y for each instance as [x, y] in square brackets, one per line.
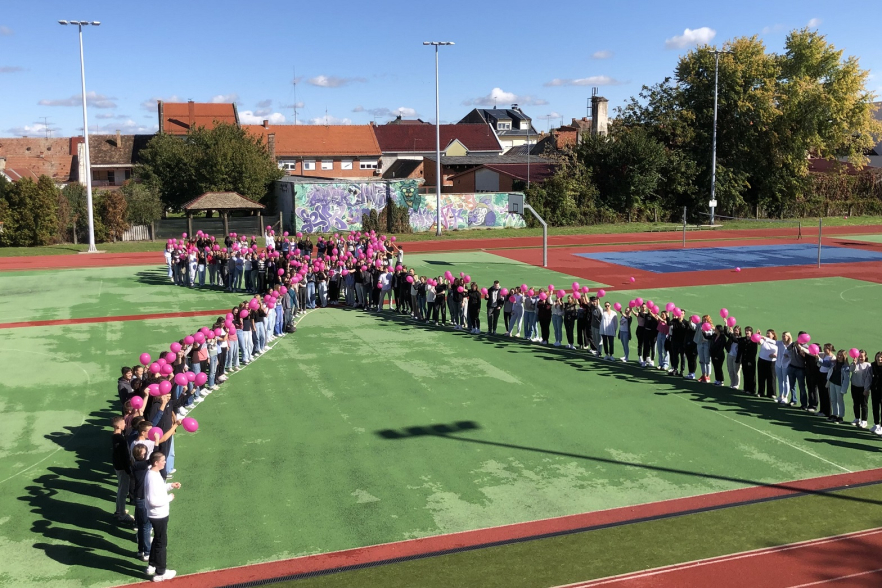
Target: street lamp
[436, 44]
[713, 200]
[80, 24]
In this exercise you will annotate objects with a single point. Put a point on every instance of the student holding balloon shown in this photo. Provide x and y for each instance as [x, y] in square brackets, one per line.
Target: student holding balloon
[782, 362]
[747, 350]
[861, 381]
[837, 384]
[609, 328]
[768, 353]
[796, 372]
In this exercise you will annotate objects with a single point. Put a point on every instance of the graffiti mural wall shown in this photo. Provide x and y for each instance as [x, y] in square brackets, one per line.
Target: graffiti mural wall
[328, 207]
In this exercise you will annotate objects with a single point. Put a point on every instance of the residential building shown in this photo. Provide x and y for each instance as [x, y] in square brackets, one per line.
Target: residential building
[177, 118]
[323, 151]
[499, 177]
[32, 157]
[408, 141]
[451, 165]
[511, 125]
[112, 158]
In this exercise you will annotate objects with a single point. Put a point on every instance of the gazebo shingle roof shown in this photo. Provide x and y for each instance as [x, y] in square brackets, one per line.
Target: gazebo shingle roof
[222, 201]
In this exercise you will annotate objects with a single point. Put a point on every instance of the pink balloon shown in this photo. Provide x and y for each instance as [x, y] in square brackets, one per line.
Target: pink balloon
[155, 434]
[181, 379]
[677, 312]
[155, 390]
[601, 293]
[243, 313]
[175, 347]
[670, 306]
[218, 332]
[189, 340]
[460, 289]
[695, 319]
[854, 352]
[190, 425]
[561, 293]
[200, 379]
[632, 303]
[707, 327]
[531, 292]
[804, 338]
[512, 298]
[136, 402]
[281, 272]
[467, 279]
[551, 287]
[724, 313]
[543, 296]
[639, 301]
[756, 337]
[144, 359]
[483, 291]
[737, 269]
[154, 368]
[199, 337]
[633, 279]
[814, 349]
[503, 292]
[617, 306]
[167, 370]
[731, 322]
[409, 279]
[171, 357]
[576, 286]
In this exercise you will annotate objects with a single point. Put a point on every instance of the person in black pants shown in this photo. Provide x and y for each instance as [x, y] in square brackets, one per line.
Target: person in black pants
[571, 312]
[765, 368]
[876, 393]
[583, 324]
[650, 333]
[474, 309]
[440, 305]
[543, 310]
[494, 306]
[814, 381]
[718, 354]
[747, 350]
[678, 345]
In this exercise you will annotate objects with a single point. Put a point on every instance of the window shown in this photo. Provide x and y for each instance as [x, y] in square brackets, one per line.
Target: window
[346, 164]
[128, 174]
[309, 166]
[368, 164]
[503, 126]
[95, 175]
[327, 164]
[288, 165]
[111, 177]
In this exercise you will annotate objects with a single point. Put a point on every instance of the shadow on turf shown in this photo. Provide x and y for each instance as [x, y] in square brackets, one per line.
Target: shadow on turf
[78, 534]
[716, 398]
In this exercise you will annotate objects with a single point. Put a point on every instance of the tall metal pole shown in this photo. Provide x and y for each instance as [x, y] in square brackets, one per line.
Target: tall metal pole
[714, 148]
[92, 248]
[437, 152]
[820, 230]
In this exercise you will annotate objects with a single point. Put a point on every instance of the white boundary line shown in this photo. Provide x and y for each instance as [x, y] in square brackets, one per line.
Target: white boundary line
[837, 578]
[725, 558]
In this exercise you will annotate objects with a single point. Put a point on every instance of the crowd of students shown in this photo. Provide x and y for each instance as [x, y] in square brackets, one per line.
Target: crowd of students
[364, 271]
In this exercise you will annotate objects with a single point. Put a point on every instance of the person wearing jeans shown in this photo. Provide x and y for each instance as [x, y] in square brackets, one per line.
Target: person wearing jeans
[609, 327]
[625, 330]
[557, 317]
[837, 386]
[796, 373]
[782, 362]
[122, 468]
[663, 329]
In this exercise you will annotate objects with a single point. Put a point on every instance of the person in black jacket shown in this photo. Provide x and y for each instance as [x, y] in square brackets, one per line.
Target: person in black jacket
[678, 332]
[747, 351]
[494, 306]
[122, 467]
[718, 353]
[142, 521]
[440, 305]
[474, 309]
[650, 333]
[543, 315]
[124, 387]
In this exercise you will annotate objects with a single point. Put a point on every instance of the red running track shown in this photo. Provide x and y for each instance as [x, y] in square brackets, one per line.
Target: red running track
[44, 262]
[850, 561]
[113, 319]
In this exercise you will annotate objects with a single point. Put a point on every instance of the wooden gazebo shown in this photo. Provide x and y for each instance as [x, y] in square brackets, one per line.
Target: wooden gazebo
[224, 203]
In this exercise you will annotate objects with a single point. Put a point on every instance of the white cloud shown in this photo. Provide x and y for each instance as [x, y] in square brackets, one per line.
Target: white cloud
[150, 103]
[330, 120]
[604, 54]
[5, 31]
[93, 99]
[297, 105]
[589, 81]
[332, 81]
[814, 23]
[35, 130]
[386, 112]
[110, 115]
[248, 117]
[500, 98]
[126, 127]
[224, 98]
[772, 29]
[691, 38]
[10, 68]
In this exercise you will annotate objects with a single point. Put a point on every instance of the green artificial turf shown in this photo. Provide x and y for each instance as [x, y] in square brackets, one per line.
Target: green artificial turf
[867, 238]
[363, 428]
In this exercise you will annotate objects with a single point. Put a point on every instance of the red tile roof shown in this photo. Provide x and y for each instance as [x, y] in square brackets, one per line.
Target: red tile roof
[177, 118]
[57, 167]
[35, 156]
[538, 171]
[15, 175]
[319, 140]
[395, 138]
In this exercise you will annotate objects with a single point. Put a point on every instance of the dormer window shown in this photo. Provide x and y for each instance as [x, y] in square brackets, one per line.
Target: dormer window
[503, 126]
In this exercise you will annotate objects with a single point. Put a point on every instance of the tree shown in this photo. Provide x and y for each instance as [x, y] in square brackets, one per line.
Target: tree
[143, 205]
[225, 158]
[30, 212]
[111, 208]
[78, 218]
[567, 198]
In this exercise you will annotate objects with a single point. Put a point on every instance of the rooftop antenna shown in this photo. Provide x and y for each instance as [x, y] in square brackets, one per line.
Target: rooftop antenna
[46, 125]
[295, 94]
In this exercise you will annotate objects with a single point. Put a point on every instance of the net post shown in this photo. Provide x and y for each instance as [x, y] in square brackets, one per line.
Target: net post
[820, 229]
[799, 232]
[684, 227]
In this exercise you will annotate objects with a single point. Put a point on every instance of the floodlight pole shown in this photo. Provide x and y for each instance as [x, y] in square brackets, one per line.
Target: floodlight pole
[436, 44]
[713, 199]
[88, 163]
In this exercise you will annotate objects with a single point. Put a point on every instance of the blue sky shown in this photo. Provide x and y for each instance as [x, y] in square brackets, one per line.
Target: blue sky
[358, 61]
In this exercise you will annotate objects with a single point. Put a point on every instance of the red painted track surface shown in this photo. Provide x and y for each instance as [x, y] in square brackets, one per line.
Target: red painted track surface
[533, 529]
[113, 319]
[837, 562]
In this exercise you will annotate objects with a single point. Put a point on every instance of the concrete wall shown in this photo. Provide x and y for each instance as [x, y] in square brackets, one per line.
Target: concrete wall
[329, 206]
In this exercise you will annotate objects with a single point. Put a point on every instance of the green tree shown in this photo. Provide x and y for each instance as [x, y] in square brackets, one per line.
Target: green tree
[111, 208]
[143, 205]
[567, 198]
[78, 217]
[225, 158]
[44, 205]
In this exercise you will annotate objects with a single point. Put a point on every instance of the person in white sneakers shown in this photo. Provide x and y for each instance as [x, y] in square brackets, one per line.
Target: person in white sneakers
[861, 380]
[876, 393]
[156, 493]
[609, 327]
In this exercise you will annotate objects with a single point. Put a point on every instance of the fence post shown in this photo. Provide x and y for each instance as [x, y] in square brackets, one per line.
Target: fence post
[820, 229]
[153, 230]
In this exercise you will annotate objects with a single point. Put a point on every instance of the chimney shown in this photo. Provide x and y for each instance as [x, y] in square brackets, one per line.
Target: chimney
[515, 107]
[599, 119]
[265, 123]
[159, 109]
[191, 113]
[2, 163]
[118, 139]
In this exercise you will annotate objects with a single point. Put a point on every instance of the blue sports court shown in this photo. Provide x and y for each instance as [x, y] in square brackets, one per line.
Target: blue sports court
[666, 261]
